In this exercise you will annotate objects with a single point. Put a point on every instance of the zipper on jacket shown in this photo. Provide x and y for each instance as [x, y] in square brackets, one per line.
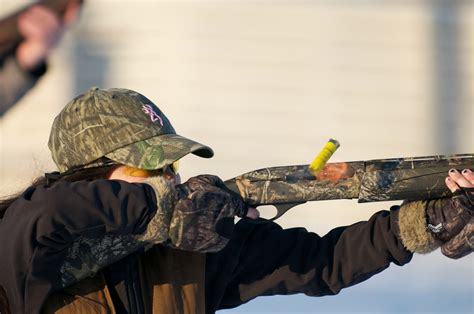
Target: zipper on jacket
[132, 284]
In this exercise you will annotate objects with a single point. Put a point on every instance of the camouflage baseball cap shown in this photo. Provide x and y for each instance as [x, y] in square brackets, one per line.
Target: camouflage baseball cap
[119, 124]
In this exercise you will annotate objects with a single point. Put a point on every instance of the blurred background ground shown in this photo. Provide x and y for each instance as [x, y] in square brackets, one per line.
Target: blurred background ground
[266, 83]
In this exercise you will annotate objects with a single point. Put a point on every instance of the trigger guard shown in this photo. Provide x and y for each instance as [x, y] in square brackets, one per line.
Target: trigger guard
[283, 208]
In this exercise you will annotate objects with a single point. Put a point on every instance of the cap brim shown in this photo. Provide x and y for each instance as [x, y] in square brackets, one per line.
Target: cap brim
[158, 152]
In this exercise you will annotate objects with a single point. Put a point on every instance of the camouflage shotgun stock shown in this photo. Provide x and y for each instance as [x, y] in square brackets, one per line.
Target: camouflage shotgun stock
[413, 178]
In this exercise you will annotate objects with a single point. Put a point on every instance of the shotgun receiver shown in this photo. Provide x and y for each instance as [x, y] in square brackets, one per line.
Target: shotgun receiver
[413, 178]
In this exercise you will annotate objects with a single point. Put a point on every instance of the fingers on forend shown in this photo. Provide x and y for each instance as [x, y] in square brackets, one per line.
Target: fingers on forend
[451, 184]
[459, 178]
[469, 175]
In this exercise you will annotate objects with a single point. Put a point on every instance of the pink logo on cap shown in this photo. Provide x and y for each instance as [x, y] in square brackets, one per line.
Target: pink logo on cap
[153, 115]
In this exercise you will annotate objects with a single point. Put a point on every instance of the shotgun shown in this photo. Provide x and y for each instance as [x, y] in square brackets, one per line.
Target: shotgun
[412, 178]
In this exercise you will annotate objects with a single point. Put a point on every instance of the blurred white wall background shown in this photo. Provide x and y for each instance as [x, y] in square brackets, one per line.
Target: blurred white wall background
[266, 83]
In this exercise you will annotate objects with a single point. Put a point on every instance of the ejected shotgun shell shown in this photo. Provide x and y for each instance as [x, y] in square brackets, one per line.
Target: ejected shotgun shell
[323, 157]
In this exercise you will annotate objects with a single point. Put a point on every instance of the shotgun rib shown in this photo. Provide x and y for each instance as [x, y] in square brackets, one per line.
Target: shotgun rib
[413, 178]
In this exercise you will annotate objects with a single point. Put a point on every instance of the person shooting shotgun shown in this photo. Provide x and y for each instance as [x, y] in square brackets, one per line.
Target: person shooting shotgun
[114, 229]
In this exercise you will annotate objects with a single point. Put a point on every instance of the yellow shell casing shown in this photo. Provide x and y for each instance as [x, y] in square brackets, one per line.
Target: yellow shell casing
[323, 157]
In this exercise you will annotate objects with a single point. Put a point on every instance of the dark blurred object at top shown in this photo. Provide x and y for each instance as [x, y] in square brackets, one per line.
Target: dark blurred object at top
[10, 36]
[26, 40]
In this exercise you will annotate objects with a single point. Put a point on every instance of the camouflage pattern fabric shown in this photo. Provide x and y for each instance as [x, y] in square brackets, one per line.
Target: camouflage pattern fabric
[156, 152]
[203, 216]
[462, 243]
[88, 256]
[446, 217]
[157, 230]
[120, 124]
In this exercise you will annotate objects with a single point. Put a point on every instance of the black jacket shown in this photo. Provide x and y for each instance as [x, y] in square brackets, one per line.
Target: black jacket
[264, 259]
[260, 259]
[38, 227]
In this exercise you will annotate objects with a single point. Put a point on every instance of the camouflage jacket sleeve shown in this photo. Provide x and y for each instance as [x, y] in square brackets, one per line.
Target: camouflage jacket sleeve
[202, 215]
[15, 82]
[65, 232]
